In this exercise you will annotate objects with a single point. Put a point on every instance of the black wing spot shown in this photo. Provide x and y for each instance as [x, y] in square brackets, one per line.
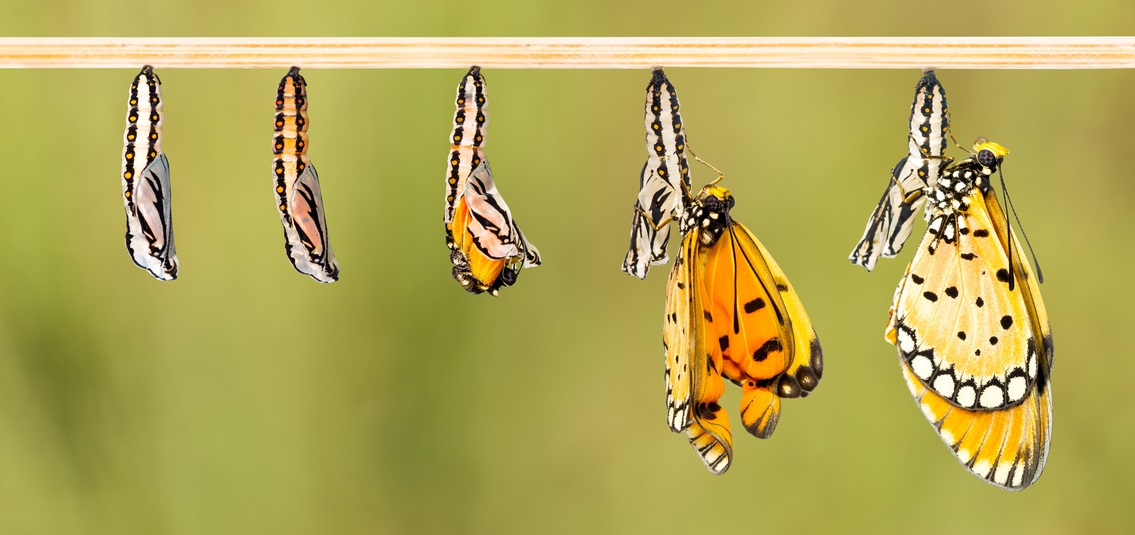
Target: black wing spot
[968, 256]
[762, 352]
[754, 305]
[930, 296]
[1003, 275]
[782, 287]
[723, 342]
[952, 292]
[917, 279]
[993, 339]
[708, 316]
[980, 302]
[1006, 321]
[980, 233]
[961, 335]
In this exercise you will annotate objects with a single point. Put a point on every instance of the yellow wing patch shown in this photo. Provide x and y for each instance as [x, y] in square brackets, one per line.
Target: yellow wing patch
[731, 314]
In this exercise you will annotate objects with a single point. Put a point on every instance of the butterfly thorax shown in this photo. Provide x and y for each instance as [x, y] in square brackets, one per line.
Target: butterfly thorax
[953, 193]
[709, 213]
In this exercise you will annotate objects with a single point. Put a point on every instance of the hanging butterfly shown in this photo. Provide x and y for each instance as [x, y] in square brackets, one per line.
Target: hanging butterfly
[665, 178]
[297, 185]
[893, 219]
[971, 329]
[731, 314]
[145, 181]
[486, 246]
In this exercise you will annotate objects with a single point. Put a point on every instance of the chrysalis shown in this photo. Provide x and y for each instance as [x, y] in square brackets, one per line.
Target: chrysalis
[297, 185]
[486, 246]
[145, 181]
[665, 180]
[893, 219]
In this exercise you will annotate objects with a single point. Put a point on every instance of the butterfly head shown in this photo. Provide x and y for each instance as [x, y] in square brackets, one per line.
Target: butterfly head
[989, 154]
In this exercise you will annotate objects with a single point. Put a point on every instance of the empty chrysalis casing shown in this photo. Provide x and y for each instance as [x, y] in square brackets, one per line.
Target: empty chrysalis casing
[297, 185]
[892, 221]
[145, 181]
[487, 248]
[665, 178]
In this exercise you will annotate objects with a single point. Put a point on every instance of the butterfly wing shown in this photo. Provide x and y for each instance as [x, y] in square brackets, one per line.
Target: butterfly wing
[487, 237]
[149, 234]
[892, 221]
[760, 327]
[693, 370]
[305, 228]
[976, 353]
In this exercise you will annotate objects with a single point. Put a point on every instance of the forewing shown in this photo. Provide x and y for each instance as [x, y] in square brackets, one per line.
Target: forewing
[977, 354]
[152, 247]
[760, 326]
[309, 247]
[493, 230]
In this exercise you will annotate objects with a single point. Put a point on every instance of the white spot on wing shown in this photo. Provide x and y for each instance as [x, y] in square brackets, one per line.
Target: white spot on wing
[944, 384]
[948, 437]
[1017, 386]
[906, 340]
[922, 367]
[982, 468]
[1001, 475]
[1018, 475]
[966, 396]
[992, 396]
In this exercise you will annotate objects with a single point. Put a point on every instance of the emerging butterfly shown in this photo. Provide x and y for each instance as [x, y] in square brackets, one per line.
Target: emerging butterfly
[145, 181]
[297, 185]
[972, 332]
[665, 178]
[893, 219]
[487, 248]
[731, 314]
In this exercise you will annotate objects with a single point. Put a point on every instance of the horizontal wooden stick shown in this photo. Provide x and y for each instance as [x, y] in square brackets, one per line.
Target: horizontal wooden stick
[572, 53]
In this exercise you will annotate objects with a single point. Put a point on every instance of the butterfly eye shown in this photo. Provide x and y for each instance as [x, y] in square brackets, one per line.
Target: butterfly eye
[986, 157]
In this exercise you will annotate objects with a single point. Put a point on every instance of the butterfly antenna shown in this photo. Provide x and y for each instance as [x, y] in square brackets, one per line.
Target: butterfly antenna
[1005, 192]
[720, 175]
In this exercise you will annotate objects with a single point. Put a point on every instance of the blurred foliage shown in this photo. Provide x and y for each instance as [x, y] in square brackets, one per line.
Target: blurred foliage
[245, 398]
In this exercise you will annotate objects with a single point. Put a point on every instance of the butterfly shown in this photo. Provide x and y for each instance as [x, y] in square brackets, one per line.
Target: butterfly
[971, 329]
[297, 185]
[145, 181]
[487, 248]
[731, 314]
[664, 181]
[893, 219]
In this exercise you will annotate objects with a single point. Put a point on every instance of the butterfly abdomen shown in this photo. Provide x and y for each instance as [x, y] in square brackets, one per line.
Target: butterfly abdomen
[289, 144]
[470, 122]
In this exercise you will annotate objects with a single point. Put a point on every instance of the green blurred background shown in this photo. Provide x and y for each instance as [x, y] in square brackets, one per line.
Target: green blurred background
[246, 398]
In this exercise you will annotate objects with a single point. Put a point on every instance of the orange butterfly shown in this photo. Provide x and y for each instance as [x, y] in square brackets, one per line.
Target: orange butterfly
[731, 314]
[972, 332]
